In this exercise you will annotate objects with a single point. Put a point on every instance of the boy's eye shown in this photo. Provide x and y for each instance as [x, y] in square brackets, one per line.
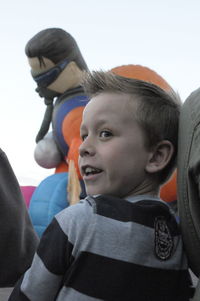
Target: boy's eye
[83, 137]
[105, 134]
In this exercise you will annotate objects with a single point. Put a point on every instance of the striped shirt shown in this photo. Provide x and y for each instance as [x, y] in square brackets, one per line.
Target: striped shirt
[106, 248]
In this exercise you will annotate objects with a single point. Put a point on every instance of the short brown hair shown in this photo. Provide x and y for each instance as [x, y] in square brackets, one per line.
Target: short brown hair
[157, 112]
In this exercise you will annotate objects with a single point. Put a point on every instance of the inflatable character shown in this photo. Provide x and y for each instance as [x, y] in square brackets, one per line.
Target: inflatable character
[57, 66]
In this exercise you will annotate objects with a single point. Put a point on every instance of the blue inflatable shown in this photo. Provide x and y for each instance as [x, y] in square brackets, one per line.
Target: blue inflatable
[49, 198]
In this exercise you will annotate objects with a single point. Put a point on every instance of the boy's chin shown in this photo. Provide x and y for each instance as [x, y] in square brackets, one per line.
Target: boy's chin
[92, 190]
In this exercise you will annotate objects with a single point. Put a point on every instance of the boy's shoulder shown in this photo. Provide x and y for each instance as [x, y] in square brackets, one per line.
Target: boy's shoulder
[144, 209]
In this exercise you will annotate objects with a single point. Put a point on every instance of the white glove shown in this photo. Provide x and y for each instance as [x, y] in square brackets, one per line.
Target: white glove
[46, 153]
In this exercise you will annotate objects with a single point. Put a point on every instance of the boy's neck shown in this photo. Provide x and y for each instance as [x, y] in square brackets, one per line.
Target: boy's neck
[146, 190]
[137, 198]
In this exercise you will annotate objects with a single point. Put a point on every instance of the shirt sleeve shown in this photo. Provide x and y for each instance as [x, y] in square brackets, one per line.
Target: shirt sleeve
[53, 258]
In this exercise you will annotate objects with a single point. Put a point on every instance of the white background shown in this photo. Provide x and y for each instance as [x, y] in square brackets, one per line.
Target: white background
[162, 35]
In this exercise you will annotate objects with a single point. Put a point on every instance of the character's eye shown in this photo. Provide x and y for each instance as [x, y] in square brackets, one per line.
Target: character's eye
[105, 134]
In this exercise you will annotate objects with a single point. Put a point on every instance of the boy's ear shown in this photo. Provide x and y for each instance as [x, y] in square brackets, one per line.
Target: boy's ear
[160, 156]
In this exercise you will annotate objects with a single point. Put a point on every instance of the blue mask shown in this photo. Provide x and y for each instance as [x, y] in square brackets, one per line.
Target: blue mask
[46, 78]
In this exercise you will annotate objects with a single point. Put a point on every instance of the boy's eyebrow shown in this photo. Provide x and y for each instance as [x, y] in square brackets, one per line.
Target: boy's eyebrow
[97, 124]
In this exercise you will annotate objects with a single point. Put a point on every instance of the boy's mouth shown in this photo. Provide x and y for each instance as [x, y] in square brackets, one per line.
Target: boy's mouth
[88, 170]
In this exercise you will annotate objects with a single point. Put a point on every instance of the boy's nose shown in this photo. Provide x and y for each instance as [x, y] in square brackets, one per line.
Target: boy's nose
[86, 149]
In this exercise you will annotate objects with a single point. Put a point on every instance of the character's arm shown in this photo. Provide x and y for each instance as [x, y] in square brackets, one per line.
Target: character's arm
[46, 153]
[18, 240]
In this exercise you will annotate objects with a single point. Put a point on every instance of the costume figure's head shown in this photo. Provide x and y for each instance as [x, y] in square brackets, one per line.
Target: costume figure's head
[129, 132]
[50, 52]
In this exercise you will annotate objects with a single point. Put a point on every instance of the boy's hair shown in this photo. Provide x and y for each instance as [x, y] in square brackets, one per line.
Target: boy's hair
[56, 45]
[157, 111]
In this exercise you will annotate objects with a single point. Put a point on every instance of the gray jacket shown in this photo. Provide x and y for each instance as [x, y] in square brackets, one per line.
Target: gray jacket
[189, 180]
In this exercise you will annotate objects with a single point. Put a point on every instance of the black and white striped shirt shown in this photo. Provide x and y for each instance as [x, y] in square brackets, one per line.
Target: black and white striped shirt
[106, 248]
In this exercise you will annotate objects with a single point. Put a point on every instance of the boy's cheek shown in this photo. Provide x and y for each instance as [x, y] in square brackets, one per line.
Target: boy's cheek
[79, 163]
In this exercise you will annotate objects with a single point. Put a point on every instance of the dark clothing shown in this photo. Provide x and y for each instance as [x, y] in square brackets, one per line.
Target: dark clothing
[189, 178]
[18, 241]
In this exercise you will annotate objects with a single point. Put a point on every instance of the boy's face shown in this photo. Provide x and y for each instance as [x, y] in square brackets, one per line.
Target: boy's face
[113, 156]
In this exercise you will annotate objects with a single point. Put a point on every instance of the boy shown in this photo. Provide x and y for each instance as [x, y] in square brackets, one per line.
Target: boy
[122, 242]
